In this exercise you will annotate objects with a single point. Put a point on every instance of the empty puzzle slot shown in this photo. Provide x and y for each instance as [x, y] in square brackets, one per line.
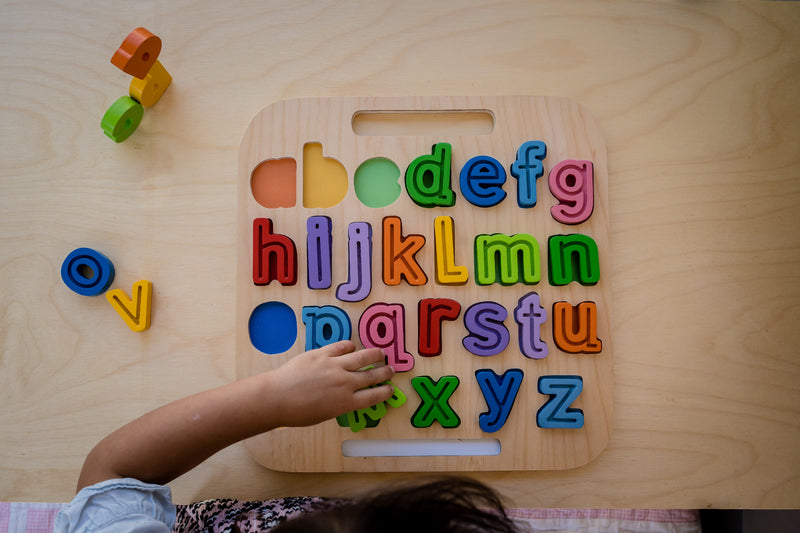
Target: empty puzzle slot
[419, 447]
[376, 182]
[273, 182]
[324, 178]
[397, 123]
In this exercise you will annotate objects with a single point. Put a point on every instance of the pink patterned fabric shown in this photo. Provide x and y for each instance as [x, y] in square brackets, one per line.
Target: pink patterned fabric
[639, 515]
[41, 519]
[28, 517]
[5, 515]
[227, 516]
[235, 516]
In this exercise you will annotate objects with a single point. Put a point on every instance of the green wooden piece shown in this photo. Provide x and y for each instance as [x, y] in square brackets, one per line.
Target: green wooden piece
[375, 412]
[371, 416]
[428, 178]
[398, 398]
[122, 118]
[356, 420]
[507, 259]
[343, 421]
[573, 258]
[434, 406]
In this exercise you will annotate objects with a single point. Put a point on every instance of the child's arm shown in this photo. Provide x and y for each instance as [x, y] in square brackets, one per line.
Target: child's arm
[308, 389]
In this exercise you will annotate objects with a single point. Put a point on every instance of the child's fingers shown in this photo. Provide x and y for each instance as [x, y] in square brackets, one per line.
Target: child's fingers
[336, 349]
[368, 397]
[373, 376]
[360, 359]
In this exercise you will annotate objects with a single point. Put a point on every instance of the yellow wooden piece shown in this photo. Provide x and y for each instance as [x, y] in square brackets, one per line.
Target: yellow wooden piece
[447, 272]
[135, 311]
[148, 91]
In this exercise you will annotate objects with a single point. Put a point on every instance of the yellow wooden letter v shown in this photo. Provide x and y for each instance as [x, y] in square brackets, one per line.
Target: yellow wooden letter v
[135, 311]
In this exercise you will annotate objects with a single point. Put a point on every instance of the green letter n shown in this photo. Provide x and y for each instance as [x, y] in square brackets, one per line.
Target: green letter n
[573, 258]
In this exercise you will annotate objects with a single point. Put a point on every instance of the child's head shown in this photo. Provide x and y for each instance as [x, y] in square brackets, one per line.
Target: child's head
[453, 505]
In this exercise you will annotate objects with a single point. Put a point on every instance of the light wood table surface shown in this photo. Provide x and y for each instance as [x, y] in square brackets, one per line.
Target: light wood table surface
[700, 106]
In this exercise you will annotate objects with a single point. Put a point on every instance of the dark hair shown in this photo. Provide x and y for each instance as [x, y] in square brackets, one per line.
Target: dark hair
[453, 504]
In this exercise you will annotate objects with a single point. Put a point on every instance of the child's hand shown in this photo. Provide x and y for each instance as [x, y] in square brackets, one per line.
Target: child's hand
[324, 383]
[173, 439]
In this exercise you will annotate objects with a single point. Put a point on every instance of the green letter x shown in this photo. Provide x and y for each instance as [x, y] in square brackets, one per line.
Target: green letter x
[434, 406]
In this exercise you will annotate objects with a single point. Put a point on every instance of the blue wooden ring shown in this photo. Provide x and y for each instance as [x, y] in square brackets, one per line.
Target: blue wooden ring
[75, 265]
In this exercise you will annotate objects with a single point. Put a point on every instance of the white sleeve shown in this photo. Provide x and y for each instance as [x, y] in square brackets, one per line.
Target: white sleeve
[121, 506]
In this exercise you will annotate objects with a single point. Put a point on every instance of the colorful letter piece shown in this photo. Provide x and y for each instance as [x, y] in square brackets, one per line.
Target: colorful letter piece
[556, 412]
[324, 178]
[318, 252]
[428, 178]
[274, 255]
[383, 326]
[397, 398]
[530, 316]
[573, 258]
[273, 183]
[447, 272]
[575, 328]
[369, 417]
[272, 327]
[527, 169]
[356, 420]
[135, 311]
[137, 53]
[149, 90]
[398, 254]
[499, 393]
[572, 183]
[359, 263]
[481, 180]
[87, 272]
[360, 418]
[325, 325]
[487, 333]
[434, 406]
[122, 118]
[363, 418]
[431, 313]
[507, 260]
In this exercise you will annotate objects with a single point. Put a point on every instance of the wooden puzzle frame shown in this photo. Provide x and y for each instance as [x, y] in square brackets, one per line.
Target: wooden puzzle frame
[542, 391]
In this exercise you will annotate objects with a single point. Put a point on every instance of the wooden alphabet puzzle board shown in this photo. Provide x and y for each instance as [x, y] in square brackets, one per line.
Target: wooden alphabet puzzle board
[478, 262]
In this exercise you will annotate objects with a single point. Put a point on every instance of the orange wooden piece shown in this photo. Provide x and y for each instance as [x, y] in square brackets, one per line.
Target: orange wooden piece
[399, 252]
[575, 328]
[137, 53]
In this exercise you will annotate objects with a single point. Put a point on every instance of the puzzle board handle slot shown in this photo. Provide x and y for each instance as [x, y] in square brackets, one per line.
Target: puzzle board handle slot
[420, 447]
[451, 122]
